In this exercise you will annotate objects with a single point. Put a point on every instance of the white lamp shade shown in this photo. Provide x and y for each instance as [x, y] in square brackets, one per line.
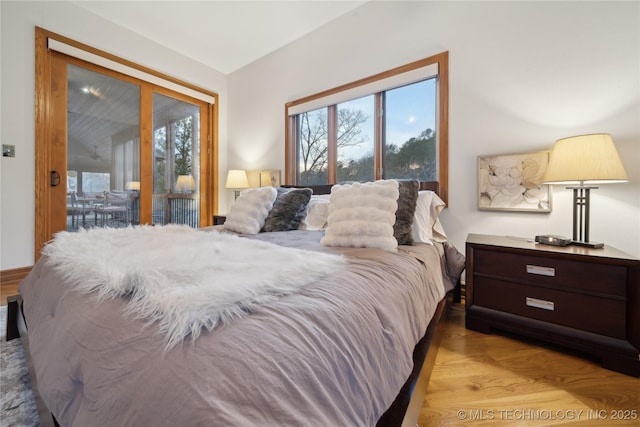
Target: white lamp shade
[585, 159]
[237, 179]
[185, 183]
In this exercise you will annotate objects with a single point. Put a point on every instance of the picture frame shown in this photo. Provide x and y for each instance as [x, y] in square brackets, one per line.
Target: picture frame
[270, 178]
[513, 182]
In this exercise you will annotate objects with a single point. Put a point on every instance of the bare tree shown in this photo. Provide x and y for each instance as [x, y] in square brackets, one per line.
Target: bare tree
[184, 144]
[313, 131]
[313, 141]
[414, 158]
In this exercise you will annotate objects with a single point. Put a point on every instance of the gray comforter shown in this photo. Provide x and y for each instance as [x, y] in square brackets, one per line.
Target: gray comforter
[334, 354]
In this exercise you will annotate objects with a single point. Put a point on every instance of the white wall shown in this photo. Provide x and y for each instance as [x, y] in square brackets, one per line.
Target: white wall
[522, 75]
[18, 21]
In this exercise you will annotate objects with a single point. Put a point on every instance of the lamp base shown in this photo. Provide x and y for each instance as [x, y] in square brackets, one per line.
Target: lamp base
[592, 245]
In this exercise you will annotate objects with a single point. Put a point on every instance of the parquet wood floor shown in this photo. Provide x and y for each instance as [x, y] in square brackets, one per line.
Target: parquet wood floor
[500, 380]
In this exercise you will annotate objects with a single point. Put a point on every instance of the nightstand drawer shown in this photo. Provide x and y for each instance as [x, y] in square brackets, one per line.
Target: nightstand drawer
[563, 273]
[588, 313]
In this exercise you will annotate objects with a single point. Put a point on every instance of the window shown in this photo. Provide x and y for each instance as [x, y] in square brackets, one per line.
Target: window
[95, 182]
[313, 129]
[175, 138]
[72, 181]
[410, 132]
[176, 171]
[391, 125]
[355, 127]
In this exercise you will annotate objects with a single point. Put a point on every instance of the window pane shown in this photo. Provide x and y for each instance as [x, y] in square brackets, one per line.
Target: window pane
[312, 147]
[176, 163]
[159, 160]
[72, 181]
[410, 133]
[355, 138]
[95, 182]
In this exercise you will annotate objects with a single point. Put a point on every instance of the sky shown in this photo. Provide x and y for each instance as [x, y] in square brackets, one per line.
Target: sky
[410, 110]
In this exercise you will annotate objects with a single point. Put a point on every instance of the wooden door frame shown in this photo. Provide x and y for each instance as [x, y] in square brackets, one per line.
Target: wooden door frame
[49, 137]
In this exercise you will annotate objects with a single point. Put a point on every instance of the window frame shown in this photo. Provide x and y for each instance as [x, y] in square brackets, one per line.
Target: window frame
[442, 120]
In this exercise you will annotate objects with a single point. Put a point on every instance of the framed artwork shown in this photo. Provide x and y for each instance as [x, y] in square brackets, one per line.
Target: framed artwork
[513, 182]
[270, 178]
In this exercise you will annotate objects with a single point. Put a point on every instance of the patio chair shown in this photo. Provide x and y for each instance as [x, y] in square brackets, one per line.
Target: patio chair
[115, 208]
[73, 208]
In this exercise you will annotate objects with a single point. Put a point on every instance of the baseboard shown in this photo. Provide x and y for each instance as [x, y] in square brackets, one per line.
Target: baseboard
[12, 277]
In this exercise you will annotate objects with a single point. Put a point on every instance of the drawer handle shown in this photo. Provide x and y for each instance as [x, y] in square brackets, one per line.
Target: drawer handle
[542, 271]
[540, 303]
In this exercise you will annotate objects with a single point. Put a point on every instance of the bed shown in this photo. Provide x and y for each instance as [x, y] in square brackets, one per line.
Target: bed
[350, 347]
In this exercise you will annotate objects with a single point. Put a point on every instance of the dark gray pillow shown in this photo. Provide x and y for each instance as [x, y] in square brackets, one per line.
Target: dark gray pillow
[454, 264]
[407, 200]
[288, 210]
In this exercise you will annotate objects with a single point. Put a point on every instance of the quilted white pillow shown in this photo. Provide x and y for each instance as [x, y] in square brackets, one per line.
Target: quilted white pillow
[248, 213]
[317, 213]
[362, 215]
[426, 225]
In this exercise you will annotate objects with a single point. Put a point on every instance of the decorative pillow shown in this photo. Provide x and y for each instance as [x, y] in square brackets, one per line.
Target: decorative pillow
[362, 215]
[426, 225]
[454, 265]
[407, 199]
[317, 213]
[288, 209]
[248, 213]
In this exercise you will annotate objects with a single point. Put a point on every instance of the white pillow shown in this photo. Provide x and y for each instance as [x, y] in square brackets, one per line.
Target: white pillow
[317, 213]
[426, 224]
[362, 215]
[248, 213]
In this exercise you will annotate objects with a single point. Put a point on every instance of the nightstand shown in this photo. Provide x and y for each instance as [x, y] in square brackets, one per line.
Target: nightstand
[576, 297]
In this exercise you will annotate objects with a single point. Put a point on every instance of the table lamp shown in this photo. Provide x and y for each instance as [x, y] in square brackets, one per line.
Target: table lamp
[237, 180]
[185, 184]
[584, 160]
[132, 186]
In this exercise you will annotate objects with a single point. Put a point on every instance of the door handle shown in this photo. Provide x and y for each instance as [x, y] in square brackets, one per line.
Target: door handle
[55, 178]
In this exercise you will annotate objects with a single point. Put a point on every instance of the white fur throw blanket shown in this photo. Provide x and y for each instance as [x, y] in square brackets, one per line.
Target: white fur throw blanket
[183, 278]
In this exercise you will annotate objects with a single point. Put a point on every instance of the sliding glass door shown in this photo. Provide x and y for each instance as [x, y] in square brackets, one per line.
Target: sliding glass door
[118, 151]
[110, 178]
[176, 161]
[103, 150]
[103, 154]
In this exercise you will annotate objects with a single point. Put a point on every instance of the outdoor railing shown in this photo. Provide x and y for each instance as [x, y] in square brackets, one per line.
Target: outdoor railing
[176, 208]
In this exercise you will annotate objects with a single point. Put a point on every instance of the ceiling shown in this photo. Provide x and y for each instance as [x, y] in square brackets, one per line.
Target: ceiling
[224, 35]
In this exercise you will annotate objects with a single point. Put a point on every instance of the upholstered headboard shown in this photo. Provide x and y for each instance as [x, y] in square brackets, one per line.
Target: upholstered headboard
[326, 188]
